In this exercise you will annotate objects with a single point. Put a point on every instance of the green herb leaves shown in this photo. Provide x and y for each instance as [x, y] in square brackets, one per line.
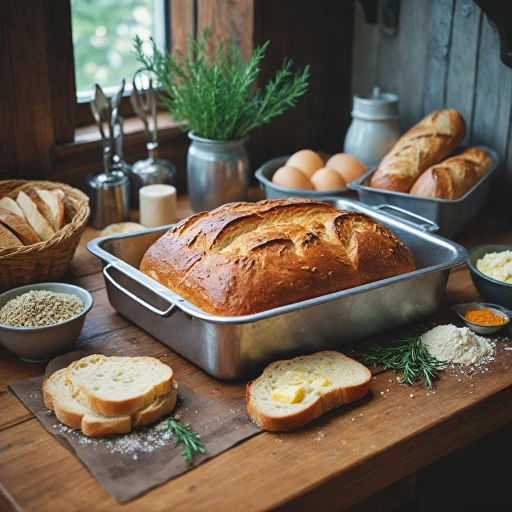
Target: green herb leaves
[409, 356]
[185, 435]
[215, 95]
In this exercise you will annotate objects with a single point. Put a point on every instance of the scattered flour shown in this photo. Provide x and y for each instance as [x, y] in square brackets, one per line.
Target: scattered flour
[457, 345]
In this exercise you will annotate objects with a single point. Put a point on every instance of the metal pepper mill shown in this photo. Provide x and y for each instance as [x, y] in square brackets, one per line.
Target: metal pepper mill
[152, 170]
[109, 189]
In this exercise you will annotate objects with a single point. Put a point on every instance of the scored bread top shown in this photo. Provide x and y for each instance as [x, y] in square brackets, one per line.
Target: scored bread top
[115, 386]
[327, 379]
[243, 258]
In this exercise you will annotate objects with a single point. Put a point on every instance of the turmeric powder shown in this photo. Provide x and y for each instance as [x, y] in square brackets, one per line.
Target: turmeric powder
[484, 317]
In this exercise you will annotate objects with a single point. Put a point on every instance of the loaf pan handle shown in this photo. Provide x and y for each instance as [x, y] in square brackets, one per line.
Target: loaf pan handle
[424, 224]
[164, 314]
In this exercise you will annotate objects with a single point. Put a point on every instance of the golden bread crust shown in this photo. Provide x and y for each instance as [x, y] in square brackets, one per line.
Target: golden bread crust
[243, 258]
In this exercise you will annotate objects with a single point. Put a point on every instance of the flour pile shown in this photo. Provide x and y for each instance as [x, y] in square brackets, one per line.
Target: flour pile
[456, 345]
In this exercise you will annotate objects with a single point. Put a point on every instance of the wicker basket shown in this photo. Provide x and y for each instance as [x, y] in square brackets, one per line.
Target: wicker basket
[45, 261]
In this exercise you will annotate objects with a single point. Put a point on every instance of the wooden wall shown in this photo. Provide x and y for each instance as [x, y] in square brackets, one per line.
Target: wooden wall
[444, 54]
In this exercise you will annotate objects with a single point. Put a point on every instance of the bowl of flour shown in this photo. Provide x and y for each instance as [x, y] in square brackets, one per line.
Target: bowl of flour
[490, 267]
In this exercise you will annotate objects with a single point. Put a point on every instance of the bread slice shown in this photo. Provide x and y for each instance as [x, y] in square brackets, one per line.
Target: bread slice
[8, 240]
[39, 224]
[314, 384]
[59, 398]
[10, 204]
[19, 226]
[50, 205]
[117, 386]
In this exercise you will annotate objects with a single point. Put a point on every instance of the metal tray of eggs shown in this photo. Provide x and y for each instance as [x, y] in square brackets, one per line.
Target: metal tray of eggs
[307, 174]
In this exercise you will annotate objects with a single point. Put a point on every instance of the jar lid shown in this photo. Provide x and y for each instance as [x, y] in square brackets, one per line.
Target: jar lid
[377, 106]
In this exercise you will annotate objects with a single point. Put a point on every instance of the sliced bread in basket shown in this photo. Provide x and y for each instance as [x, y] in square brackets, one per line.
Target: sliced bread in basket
[118, 386]
[294, 392]
[69, 411]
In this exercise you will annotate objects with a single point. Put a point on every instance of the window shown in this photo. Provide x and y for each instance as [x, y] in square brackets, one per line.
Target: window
[103, 32]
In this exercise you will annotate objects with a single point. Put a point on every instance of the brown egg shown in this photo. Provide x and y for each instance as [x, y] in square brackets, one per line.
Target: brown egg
[307, 161]
[327, 179]
[347, 165]
[291, 177]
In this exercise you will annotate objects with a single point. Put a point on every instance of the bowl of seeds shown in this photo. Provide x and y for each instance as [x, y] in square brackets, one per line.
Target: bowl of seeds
[41, 321]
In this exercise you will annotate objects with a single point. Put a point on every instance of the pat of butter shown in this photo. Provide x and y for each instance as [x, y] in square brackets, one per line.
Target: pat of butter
[320, 383]
[288, 394]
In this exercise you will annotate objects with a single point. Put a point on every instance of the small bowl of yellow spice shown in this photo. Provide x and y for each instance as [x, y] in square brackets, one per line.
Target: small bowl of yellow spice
[483, 318]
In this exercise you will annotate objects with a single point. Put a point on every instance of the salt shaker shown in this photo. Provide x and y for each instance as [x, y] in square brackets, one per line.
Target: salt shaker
[109, 189]
[374, 128]
[152, 170]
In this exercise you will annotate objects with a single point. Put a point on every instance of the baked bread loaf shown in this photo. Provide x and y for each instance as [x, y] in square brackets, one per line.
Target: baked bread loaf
[59, 398]
[455, 176]
[425, 144]
[118, 386]
[291, 393]
[243, 258]
[39, 224]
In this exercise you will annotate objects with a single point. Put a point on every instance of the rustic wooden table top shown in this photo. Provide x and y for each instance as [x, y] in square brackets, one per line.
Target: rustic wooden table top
[333, 463]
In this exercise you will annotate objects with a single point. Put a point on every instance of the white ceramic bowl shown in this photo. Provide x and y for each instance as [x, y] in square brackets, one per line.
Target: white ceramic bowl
[38, 344]
[462, 309]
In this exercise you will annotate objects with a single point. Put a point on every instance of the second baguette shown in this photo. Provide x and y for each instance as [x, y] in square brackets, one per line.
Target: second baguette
[454, 177]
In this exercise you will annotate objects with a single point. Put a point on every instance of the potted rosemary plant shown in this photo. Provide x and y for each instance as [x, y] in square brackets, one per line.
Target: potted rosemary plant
[215, 96]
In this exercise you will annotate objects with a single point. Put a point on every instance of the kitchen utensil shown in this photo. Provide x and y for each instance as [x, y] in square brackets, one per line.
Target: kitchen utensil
[462, 309]
[272, 191]
[232, 347]
[374, 128]
[152, 170]
[451, 215]
[38, 344]
[490, 289]
[218, 172]
[109, 190]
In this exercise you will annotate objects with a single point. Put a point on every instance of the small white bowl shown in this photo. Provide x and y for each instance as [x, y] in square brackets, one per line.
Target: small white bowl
[462, 309]
[39, 344]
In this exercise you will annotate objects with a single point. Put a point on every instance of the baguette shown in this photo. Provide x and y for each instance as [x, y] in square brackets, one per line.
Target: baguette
[118, 386]
[39, 224]
[19, 226]
[294, 392]
[69, 411]
[425, 144]
[8, 239]
[454, 177]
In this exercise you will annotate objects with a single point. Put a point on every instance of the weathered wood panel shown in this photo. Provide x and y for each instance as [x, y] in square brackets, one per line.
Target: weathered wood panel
[445, 54]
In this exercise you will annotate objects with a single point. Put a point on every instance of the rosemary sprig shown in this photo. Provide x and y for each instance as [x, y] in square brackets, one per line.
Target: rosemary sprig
[407, 355]
[215, 93]
[185, 435]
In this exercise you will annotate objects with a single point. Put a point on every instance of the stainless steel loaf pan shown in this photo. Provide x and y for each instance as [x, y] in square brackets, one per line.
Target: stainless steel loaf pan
[272, 191]
[450, 215]
[232, 347]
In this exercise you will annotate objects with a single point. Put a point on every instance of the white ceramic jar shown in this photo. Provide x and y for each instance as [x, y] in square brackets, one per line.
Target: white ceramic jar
[374, 128]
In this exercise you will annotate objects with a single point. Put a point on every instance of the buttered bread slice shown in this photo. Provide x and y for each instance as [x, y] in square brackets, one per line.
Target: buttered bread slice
[69, 411]
[118, 386]
[291, 393]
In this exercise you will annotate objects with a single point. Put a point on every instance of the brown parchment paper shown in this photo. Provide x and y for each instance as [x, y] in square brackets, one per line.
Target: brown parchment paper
[130, 465]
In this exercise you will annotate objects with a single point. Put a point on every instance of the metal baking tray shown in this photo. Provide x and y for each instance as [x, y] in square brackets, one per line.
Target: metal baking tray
[272, 191]
[451, 215]
[233, 347]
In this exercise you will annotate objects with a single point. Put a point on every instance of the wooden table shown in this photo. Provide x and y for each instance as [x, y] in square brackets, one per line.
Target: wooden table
[337, 461]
